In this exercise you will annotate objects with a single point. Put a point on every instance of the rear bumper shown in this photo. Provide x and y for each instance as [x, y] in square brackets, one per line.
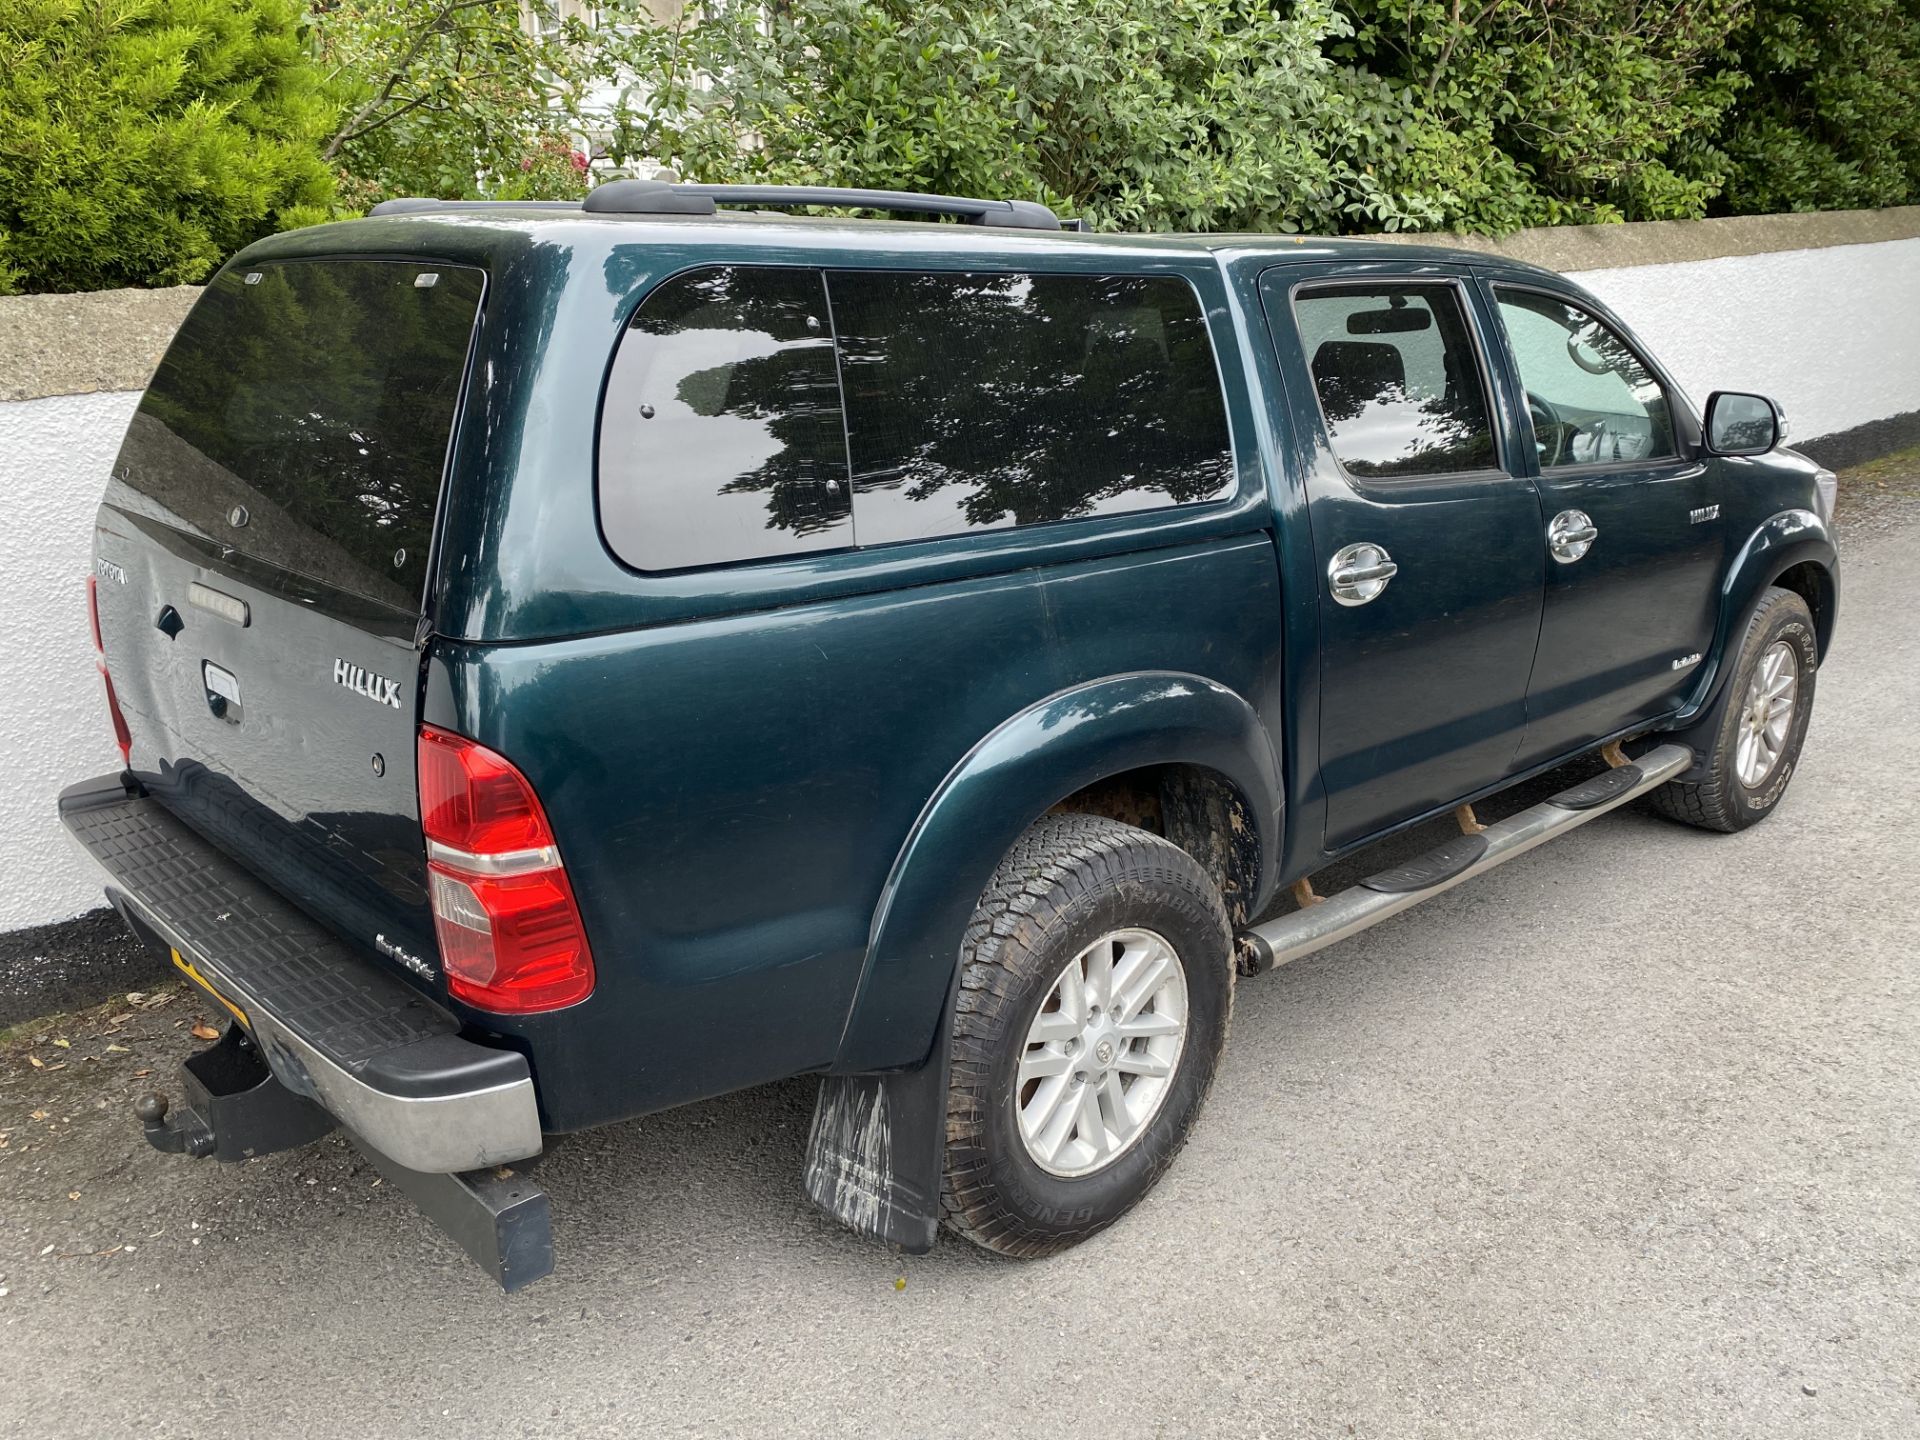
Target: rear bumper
[383, 1060]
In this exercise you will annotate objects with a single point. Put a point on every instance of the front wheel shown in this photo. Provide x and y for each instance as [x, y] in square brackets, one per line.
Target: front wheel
[1757, 744]
[1096, 982]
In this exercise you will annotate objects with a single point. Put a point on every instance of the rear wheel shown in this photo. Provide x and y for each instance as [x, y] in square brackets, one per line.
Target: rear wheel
[1757, 744]
[1095, 988]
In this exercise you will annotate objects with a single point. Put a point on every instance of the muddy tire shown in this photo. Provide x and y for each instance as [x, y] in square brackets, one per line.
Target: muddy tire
[1756, 746]
[1095, 989]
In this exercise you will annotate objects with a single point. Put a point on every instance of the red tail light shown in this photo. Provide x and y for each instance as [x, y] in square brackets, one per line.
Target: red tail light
[511, 937]
[121, 735]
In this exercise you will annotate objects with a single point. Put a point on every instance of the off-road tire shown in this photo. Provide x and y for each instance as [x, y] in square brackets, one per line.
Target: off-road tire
[1066, 882]
[1718, 801]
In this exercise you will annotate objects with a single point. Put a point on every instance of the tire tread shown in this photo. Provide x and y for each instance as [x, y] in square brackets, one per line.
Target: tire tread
[1060, 859]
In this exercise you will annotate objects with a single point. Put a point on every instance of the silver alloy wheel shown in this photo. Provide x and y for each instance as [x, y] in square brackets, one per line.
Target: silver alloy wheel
[1766, 717]
[1101, 1053]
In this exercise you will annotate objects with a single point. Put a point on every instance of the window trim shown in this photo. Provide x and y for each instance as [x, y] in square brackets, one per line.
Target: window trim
[1678, 460]
[1229, 496]
[1503, 461]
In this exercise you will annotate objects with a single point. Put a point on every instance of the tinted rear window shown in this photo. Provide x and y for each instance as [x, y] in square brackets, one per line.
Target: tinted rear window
[978, 400]
[320, 396]
[755, 412]
[1398, 378]
[721, 436]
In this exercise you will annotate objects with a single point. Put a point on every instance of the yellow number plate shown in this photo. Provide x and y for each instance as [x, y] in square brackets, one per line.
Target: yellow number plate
[186, 967]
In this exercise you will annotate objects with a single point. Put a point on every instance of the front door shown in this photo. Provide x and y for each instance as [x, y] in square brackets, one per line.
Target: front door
[1429, 564]
[1630, 527]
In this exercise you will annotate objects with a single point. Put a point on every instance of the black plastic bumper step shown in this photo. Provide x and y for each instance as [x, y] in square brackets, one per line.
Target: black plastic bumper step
[1599, 790]
[1439, 864]
[290, 964]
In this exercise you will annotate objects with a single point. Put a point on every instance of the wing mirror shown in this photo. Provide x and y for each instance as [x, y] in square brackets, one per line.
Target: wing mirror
[1739, 424]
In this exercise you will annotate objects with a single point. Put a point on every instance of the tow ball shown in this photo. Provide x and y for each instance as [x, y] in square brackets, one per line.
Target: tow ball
[232, 1107]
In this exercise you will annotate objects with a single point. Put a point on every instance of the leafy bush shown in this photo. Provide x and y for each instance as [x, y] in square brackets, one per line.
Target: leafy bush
[144, 141]
[458, 99]
[1134, 114]
[1213, 114]
[1549, 112]
[1832, 118]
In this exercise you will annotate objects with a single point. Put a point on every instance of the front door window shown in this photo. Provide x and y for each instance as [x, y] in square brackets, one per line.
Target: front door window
[1591, 399]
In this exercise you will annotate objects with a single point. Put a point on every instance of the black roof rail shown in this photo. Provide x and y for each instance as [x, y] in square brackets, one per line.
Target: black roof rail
[415, 205]
[657, 197]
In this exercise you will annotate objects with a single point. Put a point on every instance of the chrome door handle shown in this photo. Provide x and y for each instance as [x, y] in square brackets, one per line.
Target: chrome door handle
[1359, 573]
[1570, 535]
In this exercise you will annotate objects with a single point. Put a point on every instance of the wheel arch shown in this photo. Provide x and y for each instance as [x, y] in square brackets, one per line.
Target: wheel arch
[1793, 550]
[1189, 744]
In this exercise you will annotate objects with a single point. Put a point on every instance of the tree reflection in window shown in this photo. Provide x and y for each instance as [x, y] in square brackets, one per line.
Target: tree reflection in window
[1397, 377]
[721, 436]
[320, 395]
[977, 400]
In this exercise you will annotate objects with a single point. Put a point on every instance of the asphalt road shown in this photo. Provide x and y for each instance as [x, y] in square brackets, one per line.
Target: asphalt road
[1620, 1140]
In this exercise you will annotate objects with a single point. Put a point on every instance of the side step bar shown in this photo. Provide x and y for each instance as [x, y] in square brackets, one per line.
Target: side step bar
[1445, 866]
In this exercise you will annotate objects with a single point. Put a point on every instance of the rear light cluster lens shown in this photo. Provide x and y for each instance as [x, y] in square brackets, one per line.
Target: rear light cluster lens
[511, 936]
[122, 736]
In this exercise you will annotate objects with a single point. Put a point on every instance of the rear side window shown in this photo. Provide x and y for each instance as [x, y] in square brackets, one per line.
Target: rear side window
[1398, 379]
[977, 400]
[303, 414]
[721, 438]
[755, 412]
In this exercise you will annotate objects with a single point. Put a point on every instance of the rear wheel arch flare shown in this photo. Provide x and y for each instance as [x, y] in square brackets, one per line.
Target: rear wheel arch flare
[1036, 760]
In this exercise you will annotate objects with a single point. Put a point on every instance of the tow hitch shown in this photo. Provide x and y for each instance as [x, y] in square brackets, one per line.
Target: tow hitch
[234, 1108]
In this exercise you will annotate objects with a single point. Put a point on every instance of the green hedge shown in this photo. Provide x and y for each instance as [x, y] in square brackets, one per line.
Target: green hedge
[1316, 115]
[144, 141]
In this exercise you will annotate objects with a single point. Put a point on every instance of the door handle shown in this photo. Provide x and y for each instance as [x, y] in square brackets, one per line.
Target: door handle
[1570, 535]
[1359, 573]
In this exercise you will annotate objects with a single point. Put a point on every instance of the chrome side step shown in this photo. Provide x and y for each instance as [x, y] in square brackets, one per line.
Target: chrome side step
[1388, 893]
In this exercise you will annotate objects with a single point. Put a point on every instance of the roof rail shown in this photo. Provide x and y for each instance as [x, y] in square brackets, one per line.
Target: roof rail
[657, 197]
[415, 205]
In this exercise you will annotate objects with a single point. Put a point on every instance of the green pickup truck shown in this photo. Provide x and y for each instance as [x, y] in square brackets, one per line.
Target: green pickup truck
[571, 660]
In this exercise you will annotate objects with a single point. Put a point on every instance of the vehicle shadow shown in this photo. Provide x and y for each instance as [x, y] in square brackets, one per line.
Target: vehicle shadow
[722, 1176]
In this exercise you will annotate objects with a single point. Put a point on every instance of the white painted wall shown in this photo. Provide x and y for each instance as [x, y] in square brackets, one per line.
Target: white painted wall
[1832, 334]
[54, 458]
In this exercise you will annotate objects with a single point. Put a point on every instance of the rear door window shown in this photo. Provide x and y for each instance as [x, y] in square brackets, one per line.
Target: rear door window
[303, 415]
[1398, 377]
[721, 437]
[978, 401]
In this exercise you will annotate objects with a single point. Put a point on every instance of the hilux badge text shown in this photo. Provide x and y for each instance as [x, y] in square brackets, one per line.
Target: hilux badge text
[364, 682]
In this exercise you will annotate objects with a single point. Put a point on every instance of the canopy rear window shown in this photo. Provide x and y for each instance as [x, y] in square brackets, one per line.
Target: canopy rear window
[303, 414]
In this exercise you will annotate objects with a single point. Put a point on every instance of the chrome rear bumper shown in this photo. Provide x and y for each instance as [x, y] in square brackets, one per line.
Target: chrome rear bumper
[385, 1061]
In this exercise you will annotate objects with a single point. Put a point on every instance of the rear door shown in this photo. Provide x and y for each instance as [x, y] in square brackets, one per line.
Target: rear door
[1630, 525]
[260, 559]
[1429, 567]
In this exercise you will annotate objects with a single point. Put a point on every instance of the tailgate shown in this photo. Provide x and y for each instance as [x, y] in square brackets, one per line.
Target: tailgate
[260, 561]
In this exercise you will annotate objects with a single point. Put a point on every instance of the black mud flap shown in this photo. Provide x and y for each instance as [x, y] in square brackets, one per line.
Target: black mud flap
[877, 1150]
